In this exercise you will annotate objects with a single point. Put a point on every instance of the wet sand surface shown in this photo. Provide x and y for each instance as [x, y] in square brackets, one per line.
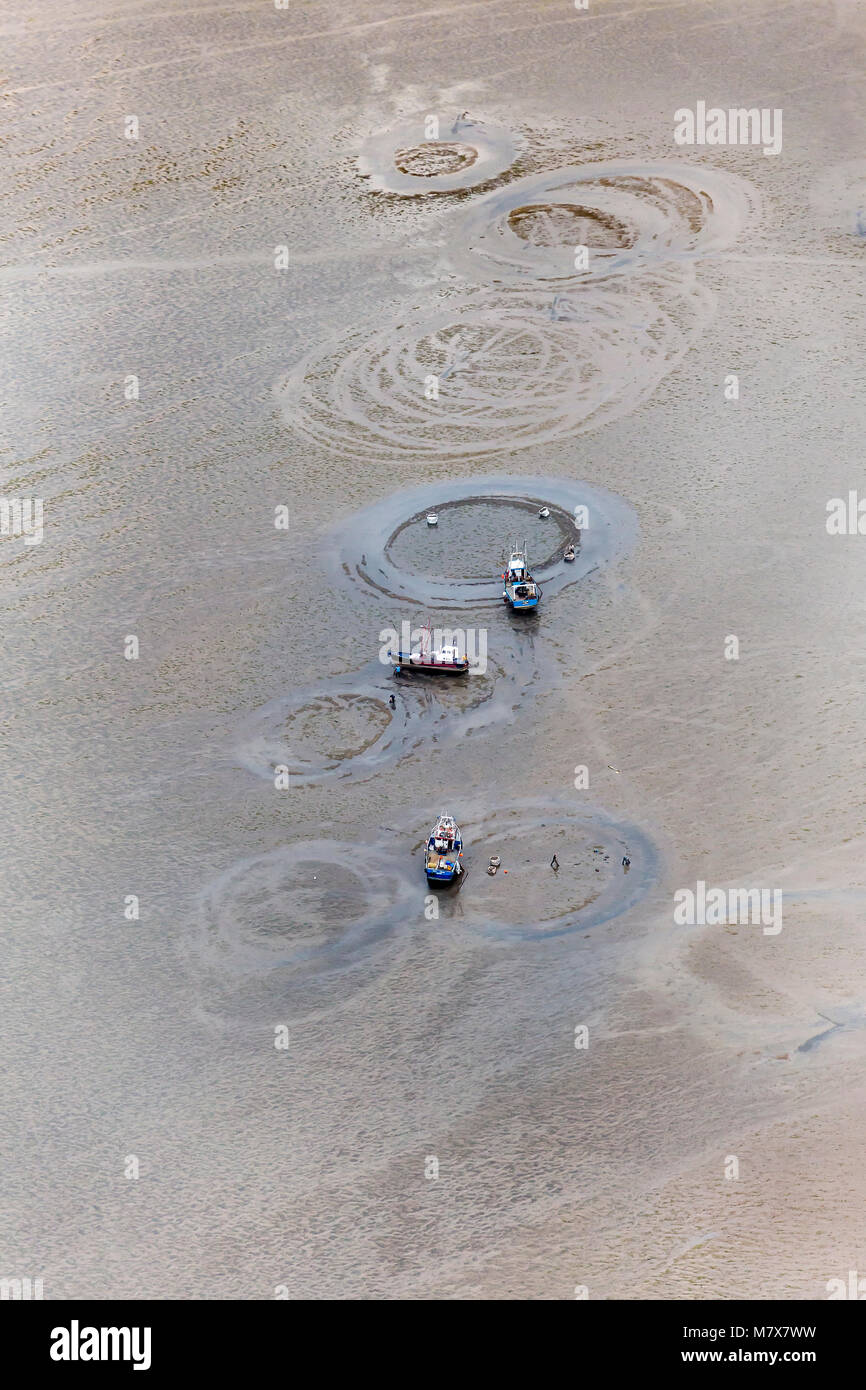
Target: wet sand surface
[413, 1037]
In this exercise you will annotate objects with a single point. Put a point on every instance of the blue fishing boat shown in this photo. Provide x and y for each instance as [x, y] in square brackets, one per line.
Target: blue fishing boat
[520, 590]
[444, 852]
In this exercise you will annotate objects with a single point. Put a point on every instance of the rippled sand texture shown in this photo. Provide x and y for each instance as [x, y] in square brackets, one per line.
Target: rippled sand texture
[451, 1025]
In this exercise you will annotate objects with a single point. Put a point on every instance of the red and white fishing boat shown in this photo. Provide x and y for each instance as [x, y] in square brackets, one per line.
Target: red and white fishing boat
[443, 660]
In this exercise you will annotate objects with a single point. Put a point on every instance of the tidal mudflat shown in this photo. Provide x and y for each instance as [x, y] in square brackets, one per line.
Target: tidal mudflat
[278, 293]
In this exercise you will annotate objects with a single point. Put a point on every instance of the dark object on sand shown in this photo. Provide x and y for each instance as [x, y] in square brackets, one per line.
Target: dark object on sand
[554, 864]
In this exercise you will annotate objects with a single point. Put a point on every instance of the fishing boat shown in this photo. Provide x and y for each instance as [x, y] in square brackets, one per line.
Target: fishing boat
[444, 660]
[444, 852]
[521, 590]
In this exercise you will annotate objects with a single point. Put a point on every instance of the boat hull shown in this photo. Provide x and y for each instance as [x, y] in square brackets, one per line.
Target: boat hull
[519, 603]
[438, 877]
[404, 664]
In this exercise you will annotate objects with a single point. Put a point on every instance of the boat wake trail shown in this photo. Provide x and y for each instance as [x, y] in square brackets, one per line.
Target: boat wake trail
[591, 885]
[303, 928]
[404, 159]
[347, 730]
[365, 549]
[299, 928]
[632, 218]
[552, 343]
